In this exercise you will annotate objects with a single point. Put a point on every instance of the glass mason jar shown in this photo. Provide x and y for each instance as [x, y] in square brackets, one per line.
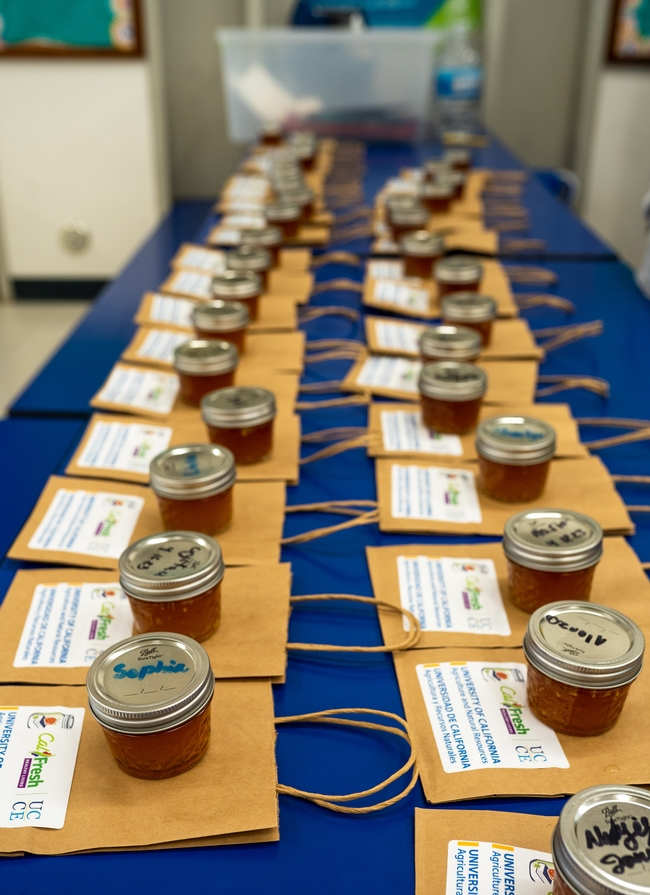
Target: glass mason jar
[193, 484]
[420, 249]
[470, 309]
[401, 203]
[457, 343]
[552, 555]
[269, 238]
[457, 273]
[515, 453]
[436, 170]
[242, 286]
[225, 321]
[582, 660]
[271, 133]
[151, 694]
[459, 159]
[173, 582]
[295, 194]
[285, 215]
[241, 419]
[455, 179]
[204, 365]
[437, 197]
[404, 220]
[253, 259]
[451, 394]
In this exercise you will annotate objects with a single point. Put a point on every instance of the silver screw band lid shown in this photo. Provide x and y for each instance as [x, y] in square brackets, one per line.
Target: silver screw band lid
[255, 258]
[300, 196]
[265, 236]
[238, 407]
[434, 167]
[282, 211]
[458, 269]
[402, 203]
[515, 440]
[205, 357]
[192, 471]
[461, 307]
[233, 284]
[438, 190]
[451, 381]
[174, 565]
[220, 316]
[457, 156]
[450, 343]
[422, 243]
[417, 216]
[553, 540]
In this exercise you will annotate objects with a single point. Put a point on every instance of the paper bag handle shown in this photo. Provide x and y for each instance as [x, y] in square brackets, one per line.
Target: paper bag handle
[337, 257]
[305, 314]
[527, 274]
[364, 512]
[338, 284]
[640, 431]
[564, 383]
[564, 335]
[532, 300]
[361, 441]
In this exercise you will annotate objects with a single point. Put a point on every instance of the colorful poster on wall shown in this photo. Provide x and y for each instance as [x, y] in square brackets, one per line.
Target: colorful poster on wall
[397, 13]
[629, 40]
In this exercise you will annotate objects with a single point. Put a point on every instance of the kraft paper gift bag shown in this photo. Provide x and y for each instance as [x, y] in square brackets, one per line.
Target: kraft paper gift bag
[510, 752]
[229, 797]
[397, 430]
[472, 607]
[511, 339]
[249, 643]
[88, 522]
[448, 844]
[295, 284]
[433, 499]
[509, 382]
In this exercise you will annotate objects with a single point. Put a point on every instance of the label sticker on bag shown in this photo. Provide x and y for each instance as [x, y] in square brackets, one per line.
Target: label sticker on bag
[191, 282]
[160, 344]
[403, 430]
[487, 868]
[211, 260]
[396, 373]
[399, 336]
[435, 493]
[448, 594]
[141, 389]
[401, 294]
[38, 753]
[480, 719]
[128, 447]
[69, 625]
[177, 311]
[385, 270]
[93, 522]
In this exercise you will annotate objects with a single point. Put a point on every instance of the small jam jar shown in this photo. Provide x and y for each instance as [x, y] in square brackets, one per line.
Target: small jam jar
[582, 658]
[269, 238]
[222, 320]
[251, 258]
[285, 215]
[437, 197]
[515, 453]
[600, 843]
[241, 419]
[552, 555]
[173, 582]
[271, 133]
[457, 273]
[436, 169]
[204, 365]
[193, 484]
[404, 220]
[305, 146]
[470, 309]
[451, 396]
[449, 343]
[401, 203]
[420, 249]
[239, 285]
[151, 694]
[300, 195]
[458, 159]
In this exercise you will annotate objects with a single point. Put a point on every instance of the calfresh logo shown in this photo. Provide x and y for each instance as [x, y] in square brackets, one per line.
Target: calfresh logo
[120, 671]
[155, 393]
[511, 712]
[106, 525]
[142, 449]
[99, 627]
[452, 492]
[33, 766]
[472, 593]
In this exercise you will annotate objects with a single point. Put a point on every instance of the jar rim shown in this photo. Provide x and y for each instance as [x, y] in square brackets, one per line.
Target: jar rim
[192, 471]
[515, 440]
[264, 236]
[472, 306]
[249, 257]
[221, 316]
[205, 357]
[553, 540]
[450, 342]
[236, 284]
[237, 406]
[452, 381]
[422, 243]
[458, 269]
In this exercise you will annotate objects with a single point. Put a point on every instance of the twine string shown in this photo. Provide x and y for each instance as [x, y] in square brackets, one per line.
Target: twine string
[337, 284]
[336, 258]
[549, 301]
[349, 401]
[526, 274]
[564, 335]
[314, 388]
[523, 245]
[338, 433]
[340, 447]
[307, 314]
[565, 383]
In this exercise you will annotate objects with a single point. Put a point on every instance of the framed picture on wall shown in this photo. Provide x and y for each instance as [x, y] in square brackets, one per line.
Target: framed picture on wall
[629, 35]
[70, 28]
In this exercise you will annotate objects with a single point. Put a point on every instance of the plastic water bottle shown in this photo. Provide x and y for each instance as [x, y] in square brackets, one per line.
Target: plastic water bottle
[459, 80]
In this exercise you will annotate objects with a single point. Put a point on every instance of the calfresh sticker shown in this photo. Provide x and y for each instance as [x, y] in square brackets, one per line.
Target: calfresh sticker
[435, 493]
[480, 718]
[69, 625]
[176, 311]
[160, 344]
[401, 294]
[488, 868]
[398, 336]
[124, 447]
[403, 430]
[38, 753]
[93, 522]
[449, 594]
[395, 373]
[141, 389]
[190, 282]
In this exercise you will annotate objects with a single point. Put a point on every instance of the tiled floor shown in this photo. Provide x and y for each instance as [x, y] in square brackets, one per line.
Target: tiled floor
[30, 332]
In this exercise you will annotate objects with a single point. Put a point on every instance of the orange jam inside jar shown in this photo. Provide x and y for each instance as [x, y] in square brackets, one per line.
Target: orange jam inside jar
[297, 194]
[223, 320]
[405, 220]
[269, 238]
[419, 250]
[173, 583]
[449, 343]
[286, 216]
[459, 159]
[151, 694]
[254, 259]
[436, 170]
[271, 133]
[241, 286]
[451, 395]
[193, 484]
[305, 147]
[582, 660]
[241, 419]
[600, 843]
[437, 197]
[552, 555]
[515, 453]
[470, 309]
[204, 365]
[457, 273]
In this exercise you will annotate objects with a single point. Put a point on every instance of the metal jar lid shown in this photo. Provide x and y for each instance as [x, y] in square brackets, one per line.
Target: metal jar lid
[436, 166]
[458, 269]
[438, 190]
[271, 129]
[468, 306]
[584, 645]
[457, 156]
[192, 471]
[205, 357]
[285, 182]
[515, 440]
[254, 258]
[220, 316]
[282, 211]
[238, 407]
[450, 343]
[452, 178]
[553, 540]
[300, 196]
[451, 381]
[150, 683]
[175, 565]
[600, 835]
[422, 243]
[233, 284]
[264, 236]
[417, 216]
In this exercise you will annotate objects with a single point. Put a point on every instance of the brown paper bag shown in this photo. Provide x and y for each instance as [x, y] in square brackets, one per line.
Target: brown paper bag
[308, 235]
[174, 312]
[582, 485]
[250, 642]
[231, 791]
[619, 756]
[511, 339]
[619, 581]
[509, 382]
[296, 284]
[434, 830]
[295, 259]
[252, 539]
[558, 415]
